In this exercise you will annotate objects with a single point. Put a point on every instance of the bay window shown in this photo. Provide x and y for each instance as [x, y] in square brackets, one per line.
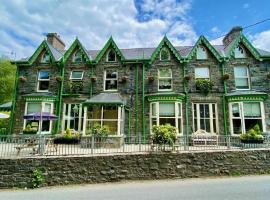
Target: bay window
[242, 79]
[72, 117]
[205, 117]
[245, 115]
[162, 113]
[164, 79]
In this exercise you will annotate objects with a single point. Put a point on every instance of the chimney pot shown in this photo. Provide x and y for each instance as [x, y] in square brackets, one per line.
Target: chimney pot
[234, 33]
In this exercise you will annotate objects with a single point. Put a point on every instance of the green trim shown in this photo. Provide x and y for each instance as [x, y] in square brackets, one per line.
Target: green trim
[70, 95]
[224, 100]
[71, 49]
[109, 43]
[248, 45]
[11, 122]
[186, 99]
[129, 123]
[43, 45]
[137, 101]
[248, 98]
[165, 41]
[143, 114]
[101, 103]
[39, 99]
[203, 40]
[165, 97]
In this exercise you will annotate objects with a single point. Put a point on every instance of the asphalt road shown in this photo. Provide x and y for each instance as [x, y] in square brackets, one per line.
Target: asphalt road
[240, 188]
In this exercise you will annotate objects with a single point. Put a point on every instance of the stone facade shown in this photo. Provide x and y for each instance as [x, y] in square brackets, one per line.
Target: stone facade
[100, 169]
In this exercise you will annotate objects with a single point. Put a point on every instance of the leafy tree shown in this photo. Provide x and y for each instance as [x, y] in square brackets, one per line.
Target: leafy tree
[7, 80]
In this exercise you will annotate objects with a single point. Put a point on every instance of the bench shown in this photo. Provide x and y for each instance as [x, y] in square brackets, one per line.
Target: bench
[202, 137]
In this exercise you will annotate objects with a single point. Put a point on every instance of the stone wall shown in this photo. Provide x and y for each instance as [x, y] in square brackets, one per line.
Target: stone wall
[98, 169]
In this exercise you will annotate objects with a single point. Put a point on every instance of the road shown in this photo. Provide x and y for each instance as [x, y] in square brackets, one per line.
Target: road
[239, 188]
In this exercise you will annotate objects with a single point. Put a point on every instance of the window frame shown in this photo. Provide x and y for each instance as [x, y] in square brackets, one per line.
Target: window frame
[66, 118]
[204, 50]
[39, 80]
[242, 116]
[243, 55]
[198, 118]
[76, 79]
[169, 56]
[198, 78]
[43, 103]
[242, 77]
[107, 56]
[109, 79]
[177, 116]
[42, 57]
[74, 57]
[165, 78]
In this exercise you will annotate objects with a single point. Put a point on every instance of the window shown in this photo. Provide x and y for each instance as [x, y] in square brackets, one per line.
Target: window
[245, 115]
[166, 113]
[32, 107]
[45, 58]
[241, 75]
[73, 117]
[164, 54]
[201, 53]
[77, 57]
[164, 79]
[110, 80]
[202, 73]
[110, 116]
[43, 81]
[76, 75]
[239, 52]
[205, 117]
[111, 56]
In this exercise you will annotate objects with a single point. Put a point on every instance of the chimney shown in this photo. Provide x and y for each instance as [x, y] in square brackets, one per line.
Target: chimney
[234, 33]
[55, 40]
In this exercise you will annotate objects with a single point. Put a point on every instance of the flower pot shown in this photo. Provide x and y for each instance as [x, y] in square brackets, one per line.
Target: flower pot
[93, 79]
[150, 78]
[22, 79]
[187, 78]
[225, 77]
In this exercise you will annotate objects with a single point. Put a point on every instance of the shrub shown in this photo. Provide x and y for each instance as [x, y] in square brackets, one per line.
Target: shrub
[253, 134]
[203, 85]
[75, 86]
[67, 138]
[164, 134]
[29, 130]
[37, 178]
[101, 131]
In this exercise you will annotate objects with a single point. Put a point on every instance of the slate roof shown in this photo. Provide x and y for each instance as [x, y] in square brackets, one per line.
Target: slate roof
[106, 98]
[55, 52]
[6, 106]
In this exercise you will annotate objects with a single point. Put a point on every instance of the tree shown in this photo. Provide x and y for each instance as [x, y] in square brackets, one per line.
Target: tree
[7, 80]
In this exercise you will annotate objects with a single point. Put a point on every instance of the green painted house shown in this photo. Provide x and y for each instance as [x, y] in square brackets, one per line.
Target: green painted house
[222, 89]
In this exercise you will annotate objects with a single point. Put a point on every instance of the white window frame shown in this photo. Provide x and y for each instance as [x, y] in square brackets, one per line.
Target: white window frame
[196, 78]
[169, 56]
[64, 120]
[38, 80]
[76, 79]
[204, 50]
[42, 57]
[242, 77]
[74, 57]
[107, 56]
[211, 118]
[177, 107]
[109, 79]
[165, 78]
[242, 117]
[119, 120]
[42, 110]
[243, 55]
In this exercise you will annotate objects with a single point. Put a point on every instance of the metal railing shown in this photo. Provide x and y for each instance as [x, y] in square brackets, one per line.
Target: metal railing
[34, 146]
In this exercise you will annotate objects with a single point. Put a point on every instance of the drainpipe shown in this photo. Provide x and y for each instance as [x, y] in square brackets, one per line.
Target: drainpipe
[91, 83]
[143, 117]
[136, 101]
[224, 100]
[129, 123]
[186, 98]
[14, 96]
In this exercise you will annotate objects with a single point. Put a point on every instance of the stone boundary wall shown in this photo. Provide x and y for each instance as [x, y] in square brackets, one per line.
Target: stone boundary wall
[111, 168]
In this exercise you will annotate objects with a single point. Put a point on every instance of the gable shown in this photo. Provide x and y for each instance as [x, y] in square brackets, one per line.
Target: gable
[165, 43]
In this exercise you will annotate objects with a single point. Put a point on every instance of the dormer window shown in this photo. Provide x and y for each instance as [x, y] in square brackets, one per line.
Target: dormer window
[201, 53]
[239, 52]
[45, 58]
[77, 57]
[111, 56]
[164, 54]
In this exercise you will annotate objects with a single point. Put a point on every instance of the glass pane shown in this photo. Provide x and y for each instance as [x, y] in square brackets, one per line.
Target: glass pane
[235, 110]
[47, 108]
[77, 75]
[44, 85]
[214, 110]
[240, 71]
[239, 52]
[164, 54]
[165, 73]
[252, 110]
[33, 108]
[179, 126]
[44, 75]
[201, 53]
[111, 74]
[94, 112]
[163, 121]
[250, 123]
[154, 111]
[206, 110]
[45, 125]
[202, 125]
[166, 109]
[179, 110]
[112, 126]
[165, 84]
[202, 113]
[154, 121]
[111, 85]
[110, 112]
[237, 126]
[202, 72]
[33, 123]
[111, 56]
[241, 83]
[78, 57]
[45, 58]
[207, 125]
[74, 116]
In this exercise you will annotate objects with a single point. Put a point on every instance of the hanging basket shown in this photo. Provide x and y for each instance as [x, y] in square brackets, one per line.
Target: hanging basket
[150, 78]
[225, 77]
[22, 79]
[93, 79]
[124, 79]
[187, 77]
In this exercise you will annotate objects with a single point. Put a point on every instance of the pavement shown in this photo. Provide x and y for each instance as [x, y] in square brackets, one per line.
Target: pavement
[229, 188]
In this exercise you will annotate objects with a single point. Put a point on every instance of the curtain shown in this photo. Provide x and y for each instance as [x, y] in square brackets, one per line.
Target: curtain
[252, 110]
[33, 108]
[166, 109]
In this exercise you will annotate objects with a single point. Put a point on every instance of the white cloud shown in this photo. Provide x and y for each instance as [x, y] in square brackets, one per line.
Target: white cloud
[24, 23]
[261, 40]
[215, 29]
[246, 5]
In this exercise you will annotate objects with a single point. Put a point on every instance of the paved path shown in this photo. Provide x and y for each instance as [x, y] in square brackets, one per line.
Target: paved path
[240, 188]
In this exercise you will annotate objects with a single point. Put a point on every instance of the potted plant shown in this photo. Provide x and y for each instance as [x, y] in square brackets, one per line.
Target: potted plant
[22, 79]
[100, 134]
[150, 78]
[164, 135]
[187, 77]
[204, 85]
[67, 138]
[253, 136]
[225, 76]
[29, 130]
[93, 78]
[75, 86]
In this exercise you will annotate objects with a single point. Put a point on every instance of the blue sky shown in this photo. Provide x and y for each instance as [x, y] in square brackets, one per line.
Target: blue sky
[140, 23]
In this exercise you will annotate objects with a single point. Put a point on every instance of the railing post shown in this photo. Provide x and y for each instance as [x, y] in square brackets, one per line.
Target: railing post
[140, 142]
[92, 143]
[186, 142]
[228, 142]
[124, 141]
